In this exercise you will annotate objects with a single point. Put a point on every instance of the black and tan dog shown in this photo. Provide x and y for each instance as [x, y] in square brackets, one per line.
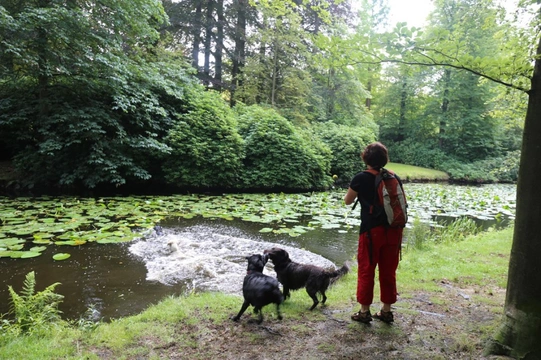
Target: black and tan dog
[294, 276]
[259, 289]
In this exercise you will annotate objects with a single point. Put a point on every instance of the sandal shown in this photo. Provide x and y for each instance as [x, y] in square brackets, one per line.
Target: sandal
[364, 317]
[385, 316]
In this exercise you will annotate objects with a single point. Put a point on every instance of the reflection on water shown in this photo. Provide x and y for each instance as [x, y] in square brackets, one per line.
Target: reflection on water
[107, 278]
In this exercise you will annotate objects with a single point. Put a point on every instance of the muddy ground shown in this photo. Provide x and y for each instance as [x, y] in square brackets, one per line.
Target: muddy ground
[452, 324]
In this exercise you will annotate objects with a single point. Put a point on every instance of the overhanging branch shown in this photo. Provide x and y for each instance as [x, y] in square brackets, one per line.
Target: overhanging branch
[433, 62]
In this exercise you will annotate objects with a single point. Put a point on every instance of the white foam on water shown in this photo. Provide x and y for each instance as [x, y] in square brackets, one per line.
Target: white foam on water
[205, 258]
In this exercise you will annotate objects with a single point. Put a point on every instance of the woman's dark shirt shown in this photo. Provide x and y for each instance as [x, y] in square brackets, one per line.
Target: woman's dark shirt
[364, 183]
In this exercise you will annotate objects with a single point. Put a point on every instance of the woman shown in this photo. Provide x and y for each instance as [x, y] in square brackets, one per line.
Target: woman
[379, 244]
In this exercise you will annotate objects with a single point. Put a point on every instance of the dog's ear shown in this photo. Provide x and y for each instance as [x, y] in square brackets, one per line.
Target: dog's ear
[265, 258]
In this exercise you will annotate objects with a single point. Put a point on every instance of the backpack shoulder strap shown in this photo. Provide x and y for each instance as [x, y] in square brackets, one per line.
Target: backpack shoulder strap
[372, 171]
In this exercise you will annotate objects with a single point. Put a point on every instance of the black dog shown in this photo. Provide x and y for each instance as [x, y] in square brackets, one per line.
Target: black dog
[294, 276]
[259, 289]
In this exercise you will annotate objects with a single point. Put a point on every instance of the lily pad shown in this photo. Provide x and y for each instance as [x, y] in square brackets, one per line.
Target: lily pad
[38, 248]
[70, 242]
[111, 240]
[6, 253]
[266, 230]
[61, 256]
[29, 254]
[11, 241]
[42, 241]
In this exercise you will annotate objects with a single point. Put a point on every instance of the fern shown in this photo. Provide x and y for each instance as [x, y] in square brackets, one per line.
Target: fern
[35, 310]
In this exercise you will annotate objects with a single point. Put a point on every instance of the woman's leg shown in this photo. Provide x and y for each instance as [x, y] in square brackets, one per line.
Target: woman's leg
[365, 273]
[389, 256]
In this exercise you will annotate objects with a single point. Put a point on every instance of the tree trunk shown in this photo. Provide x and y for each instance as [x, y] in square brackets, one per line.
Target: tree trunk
[43, 67]
[368, 101]
[260, 96]
[402, 116]
[444, 105]
[196, 33]
[521, 333]
[209, 24]
[239, 52]
[219, 45]
[274, 74]
[331, 93]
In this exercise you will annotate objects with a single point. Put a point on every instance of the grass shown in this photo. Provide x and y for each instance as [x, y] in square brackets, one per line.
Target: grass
[415, 173]
[198, 326]
[478, 260]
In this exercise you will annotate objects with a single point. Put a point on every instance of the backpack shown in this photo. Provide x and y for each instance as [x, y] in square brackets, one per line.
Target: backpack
[390, 198]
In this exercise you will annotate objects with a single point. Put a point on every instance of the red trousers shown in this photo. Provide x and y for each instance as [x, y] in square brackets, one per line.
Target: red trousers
[379, 246]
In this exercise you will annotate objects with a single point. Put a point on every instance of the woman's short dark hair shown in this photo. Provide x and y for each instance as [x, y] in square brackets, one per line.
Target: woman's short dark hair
[375, 155]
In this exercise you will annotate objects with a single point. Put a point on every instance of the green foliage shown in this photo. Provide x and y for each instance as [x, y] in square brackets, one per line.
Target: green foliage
[461, 172]
[421, 235]
[413, 153]
[206, 149]
[418, 235]
[85, 103]
[34, 311]
[500, 169]
[278, 155]
[455, 230]
[346, 144]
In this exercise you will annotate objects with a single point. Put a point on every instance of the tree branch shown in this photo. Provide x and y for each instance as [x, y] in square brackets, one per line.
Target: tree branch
[444, 64]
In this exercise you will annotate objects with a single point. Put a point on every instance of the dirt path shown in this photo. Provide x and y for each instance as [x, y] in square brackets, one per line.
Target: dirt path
[453, 324]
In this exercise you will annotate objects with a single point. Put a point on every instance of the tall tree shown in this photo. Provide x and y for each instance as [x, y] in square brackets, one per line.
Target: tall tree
[372, 19]
[471, 25]
[521, 331]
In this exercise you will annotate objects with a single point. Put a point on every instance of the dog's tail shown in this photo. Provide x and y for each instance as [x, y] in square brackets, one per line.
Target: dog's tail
[337, 274]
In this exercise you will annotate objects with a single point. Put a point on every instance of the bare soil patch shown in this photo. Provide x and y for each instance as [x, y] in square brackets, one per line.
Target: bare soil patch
[452, 324]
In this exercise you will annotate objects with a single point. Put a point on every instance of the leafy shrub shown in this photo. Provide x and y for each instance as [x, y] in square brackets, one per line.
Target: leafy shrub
[501, 169]
[346, 144]
[34, 311]
[279, 156]
[87, 113]
[470, 173]
[206, 149]
[411, 153]
[93, 132]
[505, 169]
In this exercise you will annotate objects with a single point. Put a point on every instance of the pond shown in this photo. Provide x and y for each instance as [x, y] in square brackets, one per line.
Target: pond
[118, 265]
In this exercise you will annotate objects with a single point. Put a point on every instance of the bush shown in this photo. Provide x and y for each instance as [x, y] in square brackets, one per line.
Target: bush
[279, 156]
[346, 144]
[206, 149]
[411, 153]
[89, 133]
[500, 169]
